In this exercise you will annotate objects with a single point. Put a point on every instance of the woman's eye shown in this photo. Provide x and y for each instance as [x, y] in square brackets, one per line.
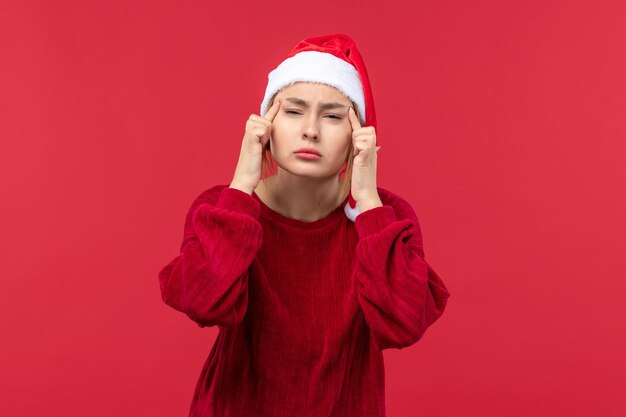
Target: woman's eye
[332, 116]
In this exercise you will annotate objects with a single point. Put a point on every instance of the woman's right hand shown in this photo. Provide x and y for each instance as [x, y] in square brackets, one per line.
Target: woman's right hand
[258, 131]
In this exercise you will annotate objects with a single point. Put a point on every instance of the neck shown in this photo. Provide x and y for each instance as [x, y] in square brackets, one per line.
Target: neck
[301, 198]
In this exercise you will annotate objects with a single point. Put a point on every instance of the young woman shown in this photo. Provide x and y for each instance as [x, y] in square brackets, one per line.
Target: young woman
[311, 271]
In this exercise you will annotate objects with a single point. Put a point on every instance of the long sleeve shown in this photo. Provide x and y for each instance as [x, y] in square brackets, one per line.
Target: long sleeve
[208, 280]
[399, 292]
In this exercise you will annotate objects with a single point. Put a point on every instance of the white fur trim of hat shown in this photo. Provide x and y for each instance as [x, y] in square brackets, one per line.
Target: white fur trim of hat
[320, 67]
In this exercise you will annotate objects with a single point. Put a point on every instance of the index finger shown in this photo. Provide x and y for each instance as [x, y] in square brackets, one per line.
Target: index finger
[271, 113]
[354, 121]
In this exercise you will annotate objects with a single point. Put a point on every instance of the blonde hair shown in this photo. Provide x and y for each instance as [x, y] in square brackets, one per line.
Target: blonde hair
[269, 167]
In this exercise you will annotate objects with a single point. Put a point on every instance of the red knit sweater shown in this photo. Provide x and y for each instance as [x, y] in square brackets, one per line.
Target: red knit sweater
[303, 308]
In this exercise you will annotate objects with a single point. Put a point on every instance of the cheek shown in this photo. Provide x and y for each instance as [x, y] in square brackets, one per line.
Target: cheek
[342, 146]
[278, 130]
[340, 132]
[281, 127]
[346, 138]
[282, 134]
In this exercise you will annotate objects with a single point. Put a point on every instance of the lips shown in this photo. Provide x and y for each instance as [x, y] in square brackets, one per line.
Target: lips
[308, 150]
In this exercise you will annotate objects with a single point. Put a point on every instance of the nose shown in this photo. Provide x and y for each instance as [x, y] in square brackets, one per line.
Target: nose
[310, 130]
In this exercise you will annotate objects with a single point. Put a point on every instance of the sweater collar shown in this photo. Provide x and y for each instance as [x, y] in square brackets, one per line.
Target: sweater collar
[267, 212]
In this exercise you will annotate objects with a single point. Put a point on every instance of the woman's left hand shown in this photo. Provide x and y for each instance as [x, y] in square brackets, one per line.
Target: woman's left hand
[363, 187]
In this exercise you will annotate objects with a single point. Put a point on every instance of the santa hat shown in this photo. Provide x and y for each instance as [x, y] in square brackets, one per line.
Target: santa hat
[331, 59]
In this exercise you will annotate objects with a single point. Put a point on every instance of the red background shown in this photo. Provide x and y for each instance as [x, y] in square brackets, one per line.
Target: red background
[502, 123]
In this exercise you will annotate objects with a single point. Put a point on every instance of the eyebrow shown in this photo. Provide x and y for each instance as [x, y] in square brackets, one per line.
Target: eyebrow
[322, 106]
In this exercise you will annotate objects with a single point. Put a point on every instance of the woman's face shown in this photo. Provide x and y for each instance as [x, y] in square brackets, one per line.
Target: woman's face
[311, 115]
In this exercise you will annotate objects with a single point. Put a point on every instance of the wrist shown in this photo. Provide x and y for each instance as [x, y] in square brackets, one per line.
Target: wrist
[369, 203]
[240, 187]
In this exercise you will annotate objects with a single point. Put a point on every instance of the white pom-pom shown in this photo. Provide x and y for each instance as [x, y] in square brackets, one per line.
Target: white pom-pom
[351, 213]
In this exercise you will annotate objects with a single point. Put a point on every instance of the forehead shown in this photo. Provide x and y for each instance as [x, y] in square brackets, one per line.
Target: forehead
[311, 91]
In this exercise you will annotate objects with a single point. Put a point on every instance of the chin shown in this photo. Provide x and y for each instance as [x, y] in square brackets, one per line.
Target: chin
[313, 170]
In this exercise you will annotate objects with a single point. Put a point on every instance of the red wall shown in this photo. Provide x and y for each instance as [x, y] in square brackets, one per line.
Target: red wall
[501, 122]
